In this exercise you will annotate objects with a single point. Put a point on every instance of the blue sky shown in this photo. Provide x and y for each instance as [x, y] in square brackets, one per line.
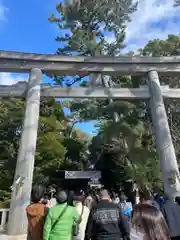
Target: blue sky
[24, 27]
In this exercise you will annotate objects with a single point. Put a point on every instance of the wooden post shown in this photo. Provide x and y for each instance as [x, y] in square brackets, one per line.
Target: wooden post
[164, 142]
[21, 191]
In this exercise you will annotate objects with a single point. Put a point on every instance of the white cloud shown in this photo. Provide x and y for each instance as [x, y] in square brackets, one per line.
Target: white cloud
[147, 22]
[10, 79]
[3, 11]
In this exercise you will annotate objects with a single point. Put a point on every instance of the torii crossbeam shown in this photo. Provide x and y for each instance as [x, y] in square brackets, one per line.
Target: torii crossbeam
[37, 64]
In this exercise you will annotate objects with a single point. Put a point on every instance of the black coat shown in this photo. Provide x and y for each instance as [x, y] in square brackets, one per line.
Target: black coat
[106, 221]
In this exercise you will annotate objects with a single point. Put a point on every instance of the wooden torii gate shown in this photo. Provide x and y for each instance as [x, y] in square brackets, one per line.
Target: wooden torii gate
[62, 65]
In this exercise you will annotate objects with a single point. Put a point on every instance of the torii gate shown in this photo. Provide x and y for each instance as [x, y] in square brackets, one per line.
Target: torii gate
[62, 65]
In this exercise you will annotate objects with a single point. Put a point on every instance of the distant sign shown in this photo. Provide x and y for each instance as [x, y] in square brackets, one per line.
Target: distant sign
[94, 182]
[82, 174]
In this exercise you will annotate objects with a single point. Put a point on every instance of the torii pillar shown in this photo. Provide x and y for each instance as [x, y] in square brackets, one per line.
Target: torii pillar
[165, 148]
[17, 221]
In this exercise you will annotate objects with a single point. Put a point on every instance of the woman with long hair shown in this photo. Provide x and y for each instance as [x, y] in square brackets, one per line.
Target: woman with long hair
[36, 213]
[148, 223]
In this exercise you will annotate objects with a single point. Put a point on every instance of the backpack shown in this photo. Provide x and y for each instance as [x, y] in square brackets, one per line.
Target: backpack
[126, 208]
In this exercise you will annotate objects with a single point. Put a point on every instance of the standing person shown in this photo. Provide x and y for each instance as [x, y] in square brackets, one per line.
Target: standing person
[46, 201]
[146, 197]
[125, 206]
[148, 223]
[158, 199]
[52, 196]
[36, 213]
[89, 201]
[60, 219]
[115, 198]
[83, 211]
[106, 221]
[70, 198]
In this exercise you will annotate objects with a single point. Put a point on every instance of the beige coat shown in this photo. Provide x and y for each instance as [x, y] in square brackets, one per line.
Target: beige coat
[82, 225]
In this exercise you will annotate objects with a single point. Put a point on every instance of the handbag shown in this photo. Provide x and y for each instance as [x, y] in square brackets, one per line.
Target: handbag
[75, 229]
[57, 220]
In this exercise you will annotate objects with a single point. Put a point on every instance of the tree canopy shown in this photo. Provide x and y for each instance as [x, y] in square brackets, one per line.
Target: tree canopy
[121, 143]
[124, 148]
[54, 142]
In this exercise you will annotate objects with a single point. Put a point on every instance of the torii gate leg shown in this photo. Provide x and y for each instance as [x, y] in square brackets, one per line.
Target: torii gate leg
[17, 223]
[165, 148]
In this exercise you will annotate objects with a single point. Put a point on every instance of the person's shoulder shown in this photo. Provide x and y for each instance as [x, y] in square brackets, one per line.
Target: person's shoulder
[53, 209]
[71, 208]
[135, 235]
[112, 204]
[94, 208]
[105, 204]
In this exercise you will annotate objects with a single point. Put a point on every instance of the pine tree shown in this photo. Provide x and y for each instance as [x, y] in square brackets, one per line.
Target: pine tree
[93, 28]
[88, 27]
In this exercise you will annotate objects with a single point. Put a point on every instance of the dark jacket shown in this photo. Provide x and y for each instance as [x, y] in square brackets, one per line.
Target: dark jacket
[106, 221]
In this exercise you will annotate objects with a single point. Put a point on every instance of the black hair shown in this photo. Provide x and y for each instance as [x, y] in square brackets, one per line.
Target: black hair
[177, 199]
[70, 197]
[37, 193]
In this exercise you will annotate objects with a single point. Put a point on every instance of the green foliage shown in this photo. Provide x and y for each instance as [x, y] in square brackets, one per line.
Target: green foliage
[168, 47]
[124, 148]
[85, 29]
[124, 140]
[53, 134]
[138, 153]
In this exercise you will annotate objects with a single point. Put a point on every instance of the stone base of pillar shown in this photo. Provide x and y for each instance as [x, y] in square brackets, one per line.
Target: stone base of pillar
[7, 237]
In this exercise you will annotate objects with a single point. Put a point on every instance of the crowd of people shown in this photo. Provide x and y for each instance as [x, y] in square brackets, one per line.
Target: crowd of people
[99, 215]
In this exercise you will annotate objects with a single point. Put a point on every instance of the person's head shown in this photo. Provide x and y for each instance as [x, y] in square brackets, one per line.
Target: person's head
[37, 193]
[145, 195]
[104, 195]
[61, 197]
[122, 197]
[71, 194]
[177, 199]
[78, 198]
[88, 202]
[52, 192]
[150, 221]
[45, 199]
[70, 197]
[113, 195]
